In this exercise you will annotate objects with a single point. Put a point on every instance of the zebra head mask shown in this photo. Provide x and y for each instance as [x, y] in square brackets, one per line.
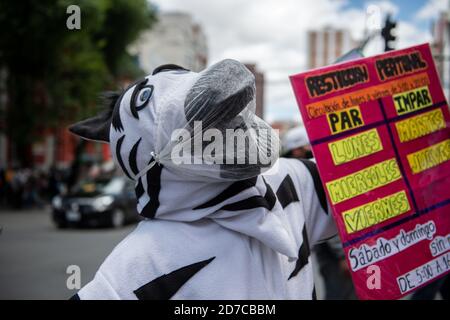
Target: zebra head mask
[200, 125]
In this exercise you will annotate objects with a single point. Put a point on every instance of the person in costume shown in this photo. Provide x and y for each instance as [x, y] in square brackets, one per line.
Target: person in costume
[223, 219]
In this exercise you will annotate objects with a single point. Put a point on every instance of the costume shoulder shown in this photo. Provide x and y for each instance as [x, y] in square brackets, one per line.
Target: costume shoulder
[153, 262]
[163, 260]
[305, 177]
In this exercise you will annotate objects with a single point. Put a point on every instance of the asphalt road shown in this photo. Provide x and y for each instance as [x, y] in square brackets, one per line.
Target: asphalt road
[34, 255]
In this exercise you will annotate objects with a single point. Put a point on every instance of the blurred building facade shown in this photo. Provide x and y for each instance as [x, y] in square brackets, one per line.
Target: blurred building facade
[177, 39]
[259, 83]
[52, 146]
[441, 49]
[326, 45]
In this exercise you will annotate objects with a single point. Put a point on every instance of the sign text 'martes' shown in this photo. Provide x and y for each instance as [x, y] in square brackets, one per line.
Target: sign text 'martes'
[336, 80]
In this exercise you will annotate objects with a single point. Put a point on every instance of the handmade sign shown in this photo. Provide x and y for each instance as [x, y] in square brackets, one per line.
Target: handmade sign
[379, 129]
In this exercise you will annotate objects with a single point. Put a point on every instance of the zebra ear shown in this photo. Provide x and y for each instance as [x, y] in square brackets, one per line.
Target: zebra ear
[97, 128]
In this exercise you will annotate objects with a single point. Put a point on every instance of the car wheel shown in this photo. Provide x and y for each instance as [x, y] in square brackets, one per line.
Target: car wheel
[117, 218]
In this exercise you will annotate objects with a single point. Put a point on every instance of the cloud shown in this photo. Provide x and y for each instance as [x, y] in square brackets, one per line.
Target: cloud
[385, 6]
[273, 34]
[432, 8]
[408, 35]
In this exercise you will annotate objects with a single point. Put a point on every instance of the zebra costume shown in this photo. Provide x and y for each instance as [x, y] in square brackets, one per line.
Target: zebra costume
[213, 231]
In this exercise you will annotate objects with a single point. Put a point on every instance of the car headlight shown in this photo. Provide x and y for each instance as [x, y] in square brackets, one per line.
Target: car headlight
[57, 202]
[102, 203]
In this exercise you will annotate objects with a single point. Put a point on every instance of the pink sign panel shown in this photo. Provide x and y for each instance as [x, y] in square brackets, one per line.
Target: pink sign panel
[379, 129]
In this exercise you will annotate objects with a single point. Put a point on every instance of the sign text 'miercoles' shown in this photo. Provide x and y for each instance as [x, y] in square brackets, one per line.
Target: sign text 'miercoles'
[336, 80]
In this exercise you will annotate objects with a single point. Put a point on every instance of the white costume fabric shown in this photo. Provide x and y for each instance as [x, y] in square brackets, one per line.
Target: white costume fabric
[213, 231]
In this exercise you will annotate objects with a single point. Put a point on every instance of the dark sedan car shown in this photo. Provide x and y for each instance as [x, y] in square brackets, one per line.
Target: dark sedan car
[102, 202]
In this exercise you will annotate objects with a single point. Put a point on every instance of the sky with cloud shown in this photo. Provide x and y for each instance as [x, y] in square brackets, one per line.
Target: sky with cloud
[272, 33]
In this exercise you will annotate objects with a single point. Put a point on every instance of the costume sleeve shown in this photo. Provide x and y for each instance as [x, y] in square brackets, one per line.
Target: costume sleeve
[319, 220]
[98, 289]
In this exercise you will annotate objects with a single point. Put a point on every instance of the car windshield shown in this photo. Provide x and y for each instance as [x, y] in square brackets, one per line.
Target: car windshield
[92, 188]
[114, 186]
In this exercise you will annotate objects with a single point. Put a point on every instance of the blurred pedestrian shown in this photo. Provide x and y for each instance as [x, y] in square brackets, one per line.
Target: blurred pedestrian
[2, 187]
[430, 291]
[296, 144]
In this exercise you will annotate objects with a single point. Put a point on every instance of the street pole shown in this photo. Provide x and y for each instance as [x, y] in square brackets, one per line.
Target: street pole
[386, 33]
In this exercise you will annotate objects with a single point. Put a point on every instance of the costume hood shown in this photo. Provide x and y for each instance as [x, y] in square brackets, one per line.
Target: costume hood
[172, 133]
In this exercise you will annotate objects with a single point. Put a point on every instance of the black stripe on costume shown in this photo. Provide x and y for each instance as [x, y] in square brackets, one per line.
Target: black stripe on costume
[119, 157]
[115, 98]
[167, 67]
[139, 85]
[153, 188]
[139, 189]
[286, 192]
[268, 201]
[234, 189]
[165, 286]
[132, 158]
[303, 254]
[116, 121]
[312, 168]
[75, 297]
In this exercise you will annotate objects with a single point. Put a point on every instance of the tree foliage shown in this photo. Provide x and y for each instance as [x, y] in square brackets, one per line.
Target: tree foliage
[54, 74]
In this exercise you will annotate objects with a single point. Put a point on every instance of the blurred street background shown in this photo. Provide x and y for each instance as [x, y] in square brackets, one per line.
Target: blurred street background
[62, 201]
[34, 255]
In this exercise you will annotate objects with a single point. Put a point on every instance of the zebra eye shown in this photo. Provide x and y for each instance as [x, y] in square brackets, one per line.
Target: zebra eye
[143, 97]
